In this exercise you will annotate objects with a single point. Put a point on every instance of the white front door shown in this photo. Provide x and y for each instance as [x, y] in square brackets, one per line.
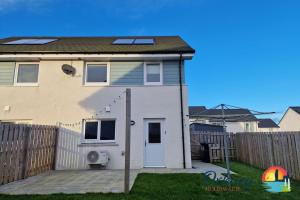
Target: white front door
[154, 143]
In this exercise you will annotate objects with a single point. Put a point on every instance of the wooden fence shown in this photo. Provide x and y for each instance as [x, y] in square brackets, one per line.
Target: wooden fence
[261, 150]
[26, 150]
[264, 150]
[216, 139]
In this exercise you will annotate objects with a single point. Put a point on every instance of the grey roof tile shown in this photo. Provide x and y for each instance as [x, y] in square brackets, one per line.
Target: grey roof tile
[163, 44]
[267, 123]
[296, 109]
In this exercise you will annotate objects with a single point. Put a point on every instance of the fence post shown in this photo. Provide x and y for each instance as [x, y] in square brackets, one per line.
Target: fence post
[271, 149]
[25, 153]
[56, 146]
[127, 141]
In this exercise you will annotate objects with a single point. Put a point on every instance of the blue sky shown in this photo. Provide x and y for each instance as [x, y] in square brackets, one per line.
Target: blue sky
[248, 51]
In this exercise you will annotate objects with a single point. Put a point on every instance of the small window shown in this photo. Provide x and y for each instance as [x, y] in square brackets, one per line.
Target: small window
[27, 73]
[247, 127]
[96, 74]
[107, 130]
[100, 130]
[153, 74]
[154, 133]
[91, 130]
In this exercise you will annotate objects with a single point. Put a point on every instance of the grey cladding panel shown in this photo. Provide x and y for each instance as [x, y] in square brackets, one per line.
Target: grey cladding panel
[171, 73]
[127, 73]
[7, 72]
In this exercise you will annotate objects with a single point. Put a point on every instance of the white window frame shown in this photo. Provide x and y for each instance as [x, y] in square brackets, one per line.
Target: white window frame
[97, 83]
[145, 73]
[17, 72]
[98, 140]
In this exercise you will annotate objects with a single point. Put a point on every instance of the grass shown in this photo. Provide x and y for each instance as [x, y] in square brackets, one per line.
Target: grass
[180, 186]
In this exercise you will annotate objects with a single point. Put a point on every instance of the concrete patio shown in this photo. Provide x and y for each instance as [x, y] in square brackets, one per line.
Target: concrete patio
[85, 181]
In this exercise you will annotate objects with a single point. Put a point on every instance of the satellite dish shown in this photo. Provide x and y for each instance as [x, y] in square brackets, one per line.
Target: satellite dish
[68, 69]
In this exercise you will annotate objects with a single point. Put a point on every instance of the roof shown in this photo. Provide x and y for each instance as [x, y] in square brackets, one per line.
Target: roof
[195, 110]
[162, 44]
[296, 109]
[206, 127]
[267, 123]
[215, 114]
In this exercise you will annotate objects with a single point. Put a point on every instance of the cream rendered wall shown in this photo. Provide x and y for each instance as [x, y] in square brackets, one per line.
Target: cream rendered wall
[63, 98]
[290, 121]
[235, 127]
[268, 129]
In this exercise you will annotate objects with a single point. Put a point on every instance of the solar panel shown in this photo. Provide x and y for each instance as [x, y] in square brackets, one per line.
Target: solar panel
[31, 41]
[131, 41]
[144, 41]
[123, 41]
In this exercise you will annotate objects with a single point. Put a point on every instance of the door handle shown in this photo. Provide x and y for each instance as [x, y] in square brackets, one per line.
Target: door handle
[145, 143]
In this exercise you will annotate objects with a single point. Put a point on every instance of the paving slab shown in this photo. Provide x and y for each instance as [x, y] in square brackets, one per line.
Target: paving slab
[95, 181]
[71, 182]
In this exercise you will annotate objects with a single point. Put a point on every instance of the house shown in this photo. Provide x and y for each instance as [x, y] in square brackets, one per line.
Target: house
[79, 83]
[291, 119]
[238, 120]
[267, 125]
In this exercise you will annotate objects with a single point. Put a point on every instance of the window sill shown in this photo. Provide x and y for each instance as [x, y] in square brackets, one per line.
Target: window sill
[97, 144]
[153, 83]
[95, 84]
[25, 85]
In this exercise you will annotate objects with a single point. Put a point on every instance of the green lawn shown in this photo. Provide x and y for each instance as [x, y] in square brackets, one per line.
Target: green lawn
[183, 187]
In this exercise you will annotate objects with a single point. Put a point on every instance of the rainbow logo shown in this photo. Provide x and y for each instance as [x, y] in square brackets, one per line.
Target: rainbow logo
[275, 179]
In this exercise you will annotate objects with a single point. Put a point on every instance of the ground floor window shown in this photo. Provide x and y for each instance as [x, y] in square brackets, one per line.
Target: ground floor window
[100, 130]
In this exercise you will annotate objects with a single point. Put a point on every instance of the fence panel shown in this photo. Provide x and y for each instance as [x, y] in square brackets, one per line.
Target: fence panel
[263, 150]
[26, 150]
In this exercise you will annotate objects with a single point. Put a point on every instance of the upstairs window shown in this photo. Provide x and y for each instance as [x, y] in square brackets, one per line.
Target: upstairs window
[27, 74]
[153, 73]
[97, 74]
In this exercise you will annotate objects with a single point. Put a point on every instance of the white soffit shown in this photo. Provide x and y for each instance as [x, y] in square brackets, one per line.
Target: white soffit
[8, 57]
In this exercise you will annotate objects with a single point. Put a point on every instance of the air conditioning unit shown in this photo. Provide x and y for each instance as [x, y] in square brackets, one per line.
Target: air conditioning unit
[97, 158]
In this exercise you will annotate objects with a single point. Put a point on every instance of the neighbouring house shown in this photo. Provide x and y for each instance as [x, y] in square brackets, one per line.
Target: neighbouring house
[79, 83]
[267, 125]
[291, 119]
[240, 120]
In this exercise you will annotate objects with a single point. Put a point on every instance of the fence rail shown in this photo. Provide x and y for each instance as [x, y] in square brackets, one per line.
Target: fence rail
[26, 150]
[216, 139]
[263, 150]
